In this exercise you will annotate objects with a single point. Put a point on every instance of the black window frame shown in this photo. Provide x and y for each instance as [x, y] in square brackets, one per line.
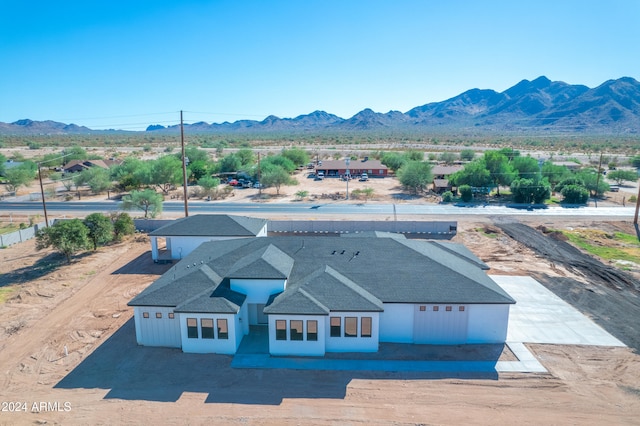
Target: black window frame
[223, 335]
[351, 322]
[207, 331]
[192, 330]
[294, 326]
[362, 326]
[335, 330]
[281, 333]
[312, 336]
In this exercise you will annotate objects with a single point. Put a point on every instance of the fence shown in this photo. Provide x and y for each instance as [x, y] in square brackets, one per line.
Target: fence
[355, 226]
[22, 235]
[335, 226]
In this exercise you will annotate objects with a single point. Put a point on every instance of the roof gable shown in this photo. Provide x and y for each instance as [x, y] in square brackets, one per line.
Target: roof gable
[266, 262]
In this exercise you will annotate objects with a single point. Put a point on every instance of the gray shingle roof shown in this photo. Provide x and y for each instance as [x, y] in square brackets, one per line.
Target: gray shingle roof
[207, 225]
[338, 274]
[267, 263]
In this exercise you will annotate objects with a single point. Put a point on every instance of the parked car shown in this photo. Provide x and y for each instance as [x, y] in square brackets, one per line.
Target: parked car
[319, 176]
[257, 185]
[233, 182]
[364, 177]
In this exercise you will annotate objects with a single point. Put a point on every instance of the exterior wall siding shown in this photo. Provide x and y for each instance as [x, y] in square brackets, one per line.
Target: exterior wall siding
[352, 344]
[215, 345]
[488, 323]
[396, 323]
[155, 331]
[302, 347]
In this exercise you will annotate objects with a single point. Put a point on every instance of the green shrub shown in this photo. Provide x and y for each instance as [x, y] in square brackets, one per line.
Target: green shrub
[465, 193]
[447, 197]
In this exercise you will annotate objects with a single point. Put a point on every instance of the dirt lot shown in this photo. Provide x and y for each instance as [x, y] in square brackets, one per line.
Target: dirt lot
[68, 340]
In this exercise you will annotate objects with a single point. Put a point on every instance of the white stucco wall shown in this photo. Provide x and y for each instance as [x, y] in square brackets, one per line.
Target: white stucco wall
[257, 291]
[487, 323]
[243, 318]
[216, 345]
[297, 347]
[154, 331]
[435, 325]
[352, 344]
[396, 323]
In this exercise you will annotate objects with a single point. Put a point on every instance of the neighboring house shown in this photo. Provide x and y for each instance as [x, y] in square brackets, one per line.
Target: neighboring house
[337, 168]
[74, 166]
[322, 294]
[441, 177]
[571, 165]
[179, 238]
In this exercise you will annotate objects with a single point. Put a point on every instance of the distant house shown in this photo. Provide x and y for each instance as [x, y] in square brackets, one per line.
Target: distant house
[337, 168]
[74, 166]
[179, 238]
[321, 294]
[441, 177]
[571, 165]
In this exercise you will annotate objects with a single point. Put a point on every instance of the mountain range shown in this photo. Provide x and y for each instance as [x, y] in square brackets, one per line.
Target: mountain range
[540, 105]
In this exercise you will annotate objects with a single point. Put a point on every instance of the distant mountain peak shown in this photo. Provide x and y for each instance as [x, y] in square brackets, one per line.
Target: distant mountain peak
[539, 105]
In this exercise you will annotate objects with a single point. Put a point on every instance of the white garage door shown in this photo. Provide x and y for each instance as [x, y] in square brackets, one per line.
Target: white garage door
[440, 324]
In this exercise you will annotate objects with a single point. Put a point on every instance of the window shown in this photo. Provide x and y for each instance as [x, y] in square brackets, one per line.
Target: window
[158, 315]
[223, 330]
[295, 329]
[171, 315]
[365, 326]
[448, 309]
[312, 330]
[351, 327]
[436, 308]
[145, 315]
[423, 308]
[206, 324]
[335, 327]
[192, 328]
[461, 308]
[281, 330]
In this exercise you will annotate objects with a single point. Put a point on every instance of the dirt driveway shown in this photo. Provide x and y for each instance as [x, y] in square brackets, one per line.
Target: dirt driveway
[69, 342]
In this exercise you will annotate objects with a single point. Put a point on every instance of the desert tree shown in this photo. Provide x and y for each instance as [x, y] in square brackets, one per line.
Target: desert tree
[415, 175]
[66, 236]
[100, 229]
[122, 225]
[148, 200]
[276, 177]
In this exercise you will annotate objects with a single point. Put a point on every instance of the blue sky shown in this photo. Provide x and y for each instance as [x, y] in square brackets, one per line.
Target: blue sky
[127, 64]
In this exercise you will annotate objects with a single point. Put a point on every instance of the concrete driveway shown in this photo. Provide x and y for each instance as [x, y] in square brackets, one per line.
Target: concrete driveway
[539, 316]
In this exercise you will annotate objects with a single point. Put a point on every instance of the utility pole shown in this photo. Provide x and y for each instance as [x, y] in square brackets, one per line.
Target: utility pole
[44, 203]
[184, 168]
[598, 179]
[259, 177]
[635, 217]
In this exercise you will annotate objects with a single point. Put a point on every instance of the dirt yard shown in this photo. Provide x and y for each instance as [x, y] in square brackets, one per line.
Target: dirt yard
[68, 356]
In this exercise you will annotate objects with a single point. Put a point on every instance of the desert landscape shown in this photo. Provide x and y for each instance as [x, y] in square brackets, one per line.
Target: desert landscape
[69, 353]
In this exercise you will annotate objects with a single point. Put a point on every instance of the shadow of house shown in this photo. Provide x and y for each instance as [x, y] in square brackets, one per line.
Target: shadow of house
[131, 372]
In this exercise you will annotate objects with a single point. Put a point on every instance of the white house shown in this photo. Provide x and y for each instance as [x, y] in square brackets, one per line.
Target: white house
[322, 294]
[179, 238]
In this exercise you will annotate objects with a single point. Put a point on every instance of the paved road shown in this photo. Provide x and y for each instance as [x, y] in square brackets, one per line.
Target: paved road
[394, 210]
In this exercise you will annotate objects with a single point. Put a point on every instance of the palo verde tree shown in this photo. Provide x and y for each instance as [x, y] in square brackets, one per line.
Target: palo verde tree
[415, 175]
[22, 175]
[276, 176]
[148, 200]
[499, 168]
[100, 229]
[66, 236]
[621, 176]
[534, 190]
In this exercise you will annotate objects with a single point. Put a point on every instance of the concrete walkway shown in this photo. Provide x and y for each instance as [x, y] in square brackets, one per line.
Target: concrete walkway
[526, 364]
